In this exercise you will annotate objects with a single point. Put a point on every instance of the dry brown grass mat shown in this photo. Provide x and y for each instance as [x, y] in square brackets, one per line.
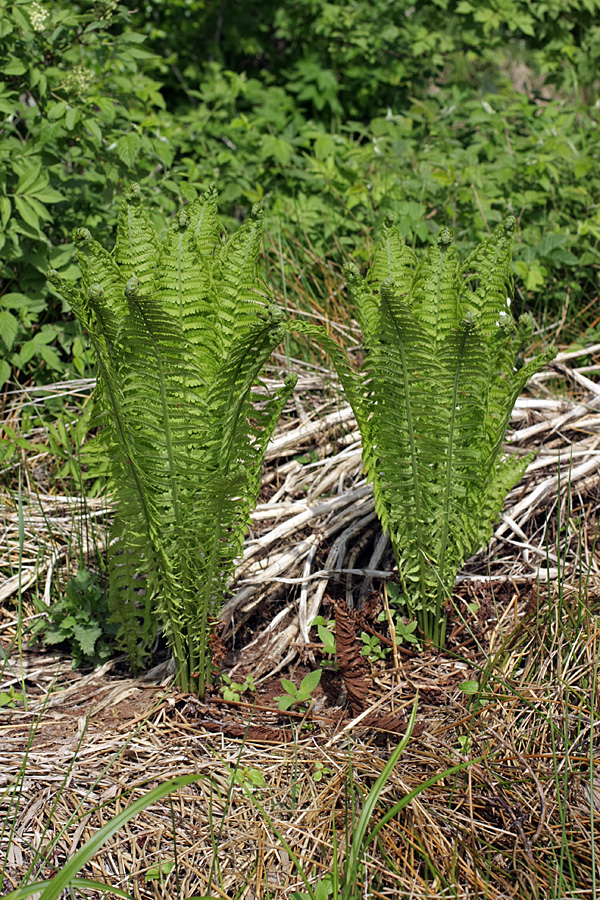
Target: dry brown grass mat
[513, 695]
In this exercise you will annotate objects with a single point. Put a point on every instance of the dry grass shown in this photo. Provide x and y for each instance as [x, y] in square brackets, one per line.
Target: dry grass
[518, 822]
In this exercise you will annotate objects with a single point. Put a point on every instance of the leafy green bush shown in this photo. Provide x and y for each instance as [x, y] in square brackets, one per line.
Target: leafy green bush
[181, 334]
[79, 619]
[78, 112]
[348, 60]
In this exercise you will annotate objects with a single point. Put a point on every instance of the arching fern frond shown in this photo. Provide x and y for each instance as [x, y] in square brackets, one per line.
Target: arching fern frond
[181, 334]
[433, 401]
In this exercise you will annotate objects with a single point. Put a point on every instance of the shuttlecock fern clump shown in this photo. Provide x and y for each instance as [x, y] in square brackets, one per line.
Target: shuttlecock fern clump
[442, 371]
[181, 334]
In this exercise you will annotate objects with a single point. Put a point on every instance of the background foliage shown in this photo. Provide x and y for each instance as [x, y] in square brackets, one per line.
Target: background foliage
[328, 114]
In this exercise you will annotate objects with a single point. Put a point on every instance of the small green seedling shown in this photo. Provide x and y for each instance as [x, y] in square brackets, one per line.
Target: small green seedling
[469, 687]
[249, 778]
[80, 620]
[298, 696]
[405, 633]
[372, 647]
[232, 690]
[463, 741]
[321, 771]
[323, 889]
[157, 873]
[325, 628]
[11, 698]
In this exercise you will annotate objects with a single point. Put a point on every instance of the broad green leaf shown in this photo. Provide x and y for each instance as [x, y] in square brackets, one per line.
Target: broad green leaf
[469, 687]
[288, 686]
[57, 110]
[14, 67]
[50, 357]
[28, 177]
[5, 210]
[310, 681]
[128, 148]
[94, 129]
[8, 328]
[4, 371]
[47, 195]
[27, 212]
[71, 118]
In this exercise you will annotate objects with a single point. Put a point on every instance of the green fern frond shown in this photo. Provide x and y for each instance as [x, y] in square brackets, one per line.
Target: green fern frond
[181, 334]
[236, 274]
[204, 222]
[137, 242]
[433, 403]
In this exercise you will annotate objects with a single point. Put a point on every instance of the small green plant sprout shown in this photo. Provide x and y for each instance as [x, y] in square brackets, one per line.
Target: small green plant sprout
[372, 647]
[232, 690]
[323, 889]
[405, 632]
[249, 778]
[298, 696]
[325, 628]
[158, 872]
[321, 771]
[79, 620]
[443, 367]
[464, 742]
[470, 687]
[181, 332]
[11, 697]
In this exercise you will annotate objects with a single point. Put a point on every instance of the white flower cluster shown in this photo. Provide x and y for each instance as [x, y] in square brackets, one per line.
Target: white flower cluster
[38, 16]
[78, 80]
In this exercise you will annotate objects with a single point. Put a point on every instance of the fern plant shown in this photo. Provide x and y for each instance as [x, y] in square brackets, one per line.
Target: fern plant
[433, 400]
[181, 334]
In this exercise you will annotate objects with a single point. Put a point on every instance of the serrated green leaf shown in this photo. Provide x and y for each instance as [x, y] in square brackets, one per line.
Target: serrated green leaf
[86, 636]
[4, 371]
[5, 210]
[27, 213]
[128, 147]
[8, 328]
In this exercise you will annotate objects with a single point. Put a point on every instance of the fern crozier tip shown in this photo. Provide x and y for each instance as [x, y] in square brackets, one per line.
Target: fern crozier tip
[81, 237]
[134, 194]
[445, 237]
[95, 293]
[132, 287]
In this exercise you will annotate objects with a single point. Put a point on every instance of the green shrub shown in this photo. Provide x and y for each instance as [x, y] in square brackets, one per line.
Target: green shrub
[78, 113]
[79, 620]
